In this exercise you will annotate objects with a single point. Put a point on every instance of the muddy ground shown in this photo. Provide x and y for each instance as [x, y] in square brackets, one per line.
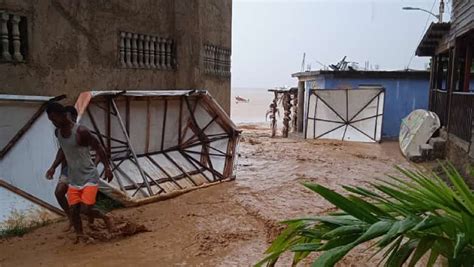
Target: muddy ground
[229, 224]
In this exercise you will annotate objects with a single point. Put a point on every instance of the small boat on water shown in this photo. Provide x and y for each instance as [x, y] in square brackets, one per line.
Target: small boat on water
[239, 99]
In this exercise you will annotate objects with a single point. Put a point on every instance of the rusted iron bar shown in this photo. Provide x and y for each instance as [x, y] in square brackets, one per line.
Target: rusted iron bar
[213, 171]
[210, 154]
[127, 114]
[180, 168]
[164, 171]
[134, 155]
[194, 165]
[164, 180]
[148, 176]
[148, 122]
[164, 125]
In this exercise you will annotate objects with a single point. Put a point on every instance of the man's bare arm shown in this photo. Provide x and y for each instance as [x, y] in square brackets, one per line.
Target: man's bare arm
[59, 158]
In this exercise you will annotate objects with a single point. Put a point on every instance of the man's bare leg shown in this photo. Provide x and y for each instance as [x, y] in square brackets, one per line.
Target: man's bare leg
[95, 213]
[76, 222]
[60, 193]
[90, 218]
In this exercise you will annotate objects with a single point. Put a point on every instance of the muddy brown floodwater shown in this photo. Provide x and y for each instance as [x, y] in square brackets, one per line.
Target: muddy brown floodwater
[229, 224]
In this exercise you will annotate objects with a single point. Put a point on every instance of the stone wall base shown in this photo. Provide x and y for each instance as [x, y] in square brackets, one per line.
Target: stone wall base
[459, 154]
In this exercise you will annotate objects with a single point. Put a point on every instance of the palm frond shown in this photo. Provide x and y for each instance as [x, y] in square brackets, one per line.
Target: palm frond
[406, 217]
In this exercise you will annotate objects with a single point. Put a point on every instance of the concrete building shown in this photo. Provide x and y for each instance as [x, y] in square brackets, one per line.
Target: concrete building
[55, 47]
[405, 91]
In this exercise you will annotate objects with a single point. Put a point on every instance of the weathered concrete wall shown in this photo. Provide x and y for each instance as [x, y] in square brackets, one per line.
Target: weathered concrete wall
[73, 46]
[216, 18]
[457, 154]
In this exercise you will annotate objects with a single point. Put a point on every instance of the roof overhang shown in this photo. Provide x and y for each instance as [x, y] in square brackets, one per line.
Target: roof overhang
[432, 39]
[398, 74]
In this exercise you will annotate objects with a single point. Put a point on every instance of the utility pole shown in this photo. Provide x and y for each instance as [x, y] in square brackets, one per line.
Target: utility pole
[441, 11]
[302, 63]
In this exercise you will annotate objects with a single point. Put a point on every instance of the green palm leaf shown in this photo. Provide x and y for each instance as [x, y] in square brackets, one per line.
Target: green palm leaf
[405, 217]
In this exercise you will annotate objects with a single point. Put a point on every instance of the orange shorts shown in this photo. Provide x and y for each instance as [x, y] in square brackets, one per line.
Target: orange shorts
[85, 195]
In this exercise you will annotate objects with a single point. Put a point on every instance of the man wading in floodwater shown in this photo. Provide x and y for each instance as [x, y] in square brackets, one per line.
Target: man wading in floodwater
[75, 141]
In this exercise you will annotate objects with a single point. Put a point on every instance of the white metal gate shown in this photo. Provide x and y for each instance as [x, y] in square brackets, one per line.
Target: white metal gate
[345, 114]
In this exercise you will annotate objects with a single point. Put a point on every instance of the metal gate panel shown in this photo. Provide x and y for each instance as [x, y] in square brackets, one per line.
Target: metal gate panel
[345, 114]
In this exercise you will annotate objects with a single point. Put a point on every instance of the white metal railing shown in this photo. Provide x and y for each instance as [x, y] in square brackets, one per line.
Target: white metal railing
[12, 38]
[142, 51]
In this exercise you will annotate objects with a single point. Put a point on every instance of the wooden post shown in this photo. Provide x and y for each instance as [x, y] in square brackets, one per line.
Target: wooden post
[294, 119]
[431, 85]
[453, 64]
[467, 67]
[286, 101]
[300, 114]
[273, 112]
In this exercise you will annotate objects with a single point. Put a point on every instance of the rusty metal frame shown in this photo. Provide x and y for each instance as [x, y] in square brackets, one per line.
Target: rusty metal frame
[199, 162]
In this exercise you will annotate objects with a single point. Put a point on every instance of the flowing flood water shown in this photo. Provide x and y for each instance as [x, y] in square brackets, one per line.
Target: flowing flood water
[229, 224]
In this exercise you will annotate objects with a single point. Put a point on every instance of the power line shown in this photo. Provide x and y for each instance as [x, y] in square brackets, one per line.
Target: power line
[422, 34]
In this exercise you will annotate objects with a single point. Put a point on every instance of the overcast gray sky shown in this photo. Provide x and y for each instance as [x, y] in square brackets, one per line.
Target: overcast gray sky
[270, 36]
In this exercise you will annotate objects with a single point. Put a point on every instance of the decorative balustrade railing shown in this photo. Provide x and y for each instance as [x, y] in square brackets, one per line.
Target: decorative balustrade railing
[142, 51]
[13, 37]
[216, 60]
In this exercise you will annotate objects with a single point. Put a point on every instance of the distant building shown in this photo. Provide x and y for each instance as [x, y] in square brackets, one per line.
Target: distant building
[405, 91]
[55, 47]
[451, 47]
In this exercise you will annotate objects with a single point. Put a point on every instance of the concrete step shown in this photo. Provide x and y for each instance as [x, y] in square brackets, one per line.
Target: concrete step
[427, 152]
[439, 147]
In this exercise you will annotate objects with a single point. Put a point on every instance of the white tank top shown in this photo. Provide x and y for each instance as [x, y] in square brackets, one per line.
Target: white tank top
[81, 168]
